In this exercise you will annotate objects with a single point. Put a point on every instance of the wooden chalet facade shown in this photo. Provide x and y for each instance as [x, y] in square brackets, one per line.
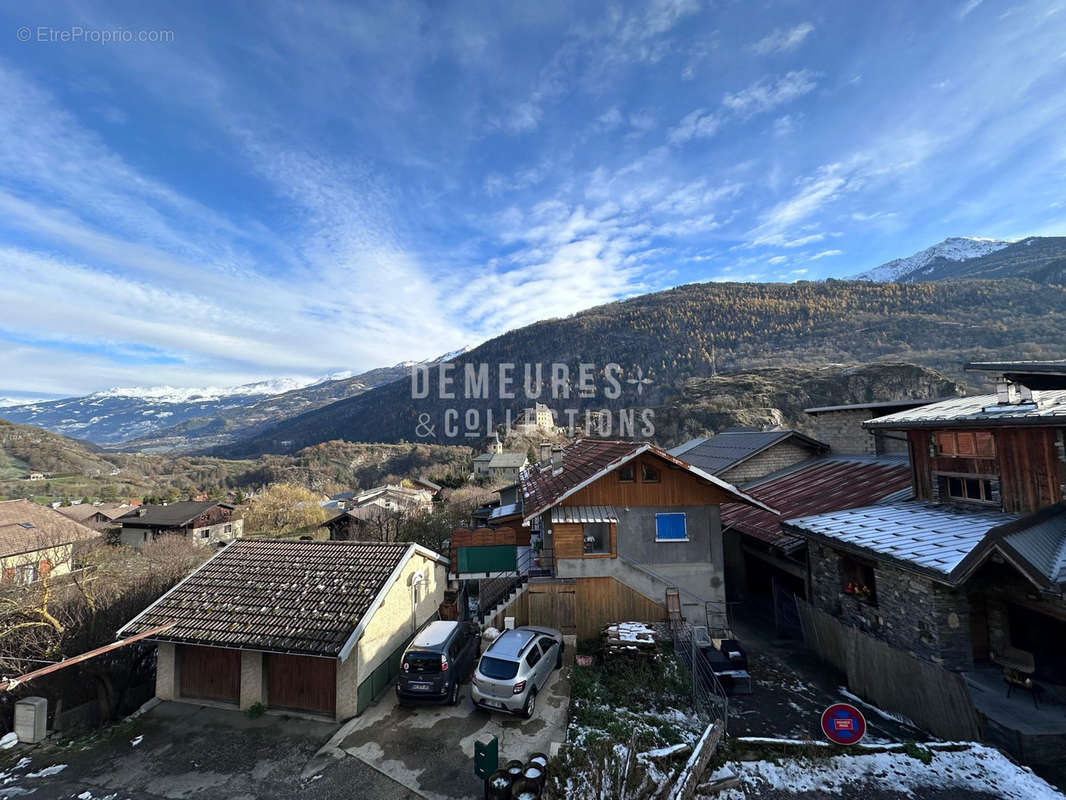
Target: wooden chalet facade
[613, 526]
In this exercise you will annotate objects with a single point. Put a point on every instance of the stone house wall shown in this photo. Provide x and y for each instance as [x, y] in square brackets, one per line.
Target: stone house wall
[914, 613]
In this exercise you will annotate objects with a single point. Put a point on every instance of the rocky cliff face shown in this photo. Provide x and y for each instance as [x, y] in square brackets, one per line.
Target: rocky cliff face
[778, 396]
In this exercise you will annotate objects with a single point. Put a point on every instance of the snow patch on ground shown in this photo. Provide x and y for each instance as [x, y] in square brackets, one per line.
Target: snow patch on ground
[47, 772]
[977, 768]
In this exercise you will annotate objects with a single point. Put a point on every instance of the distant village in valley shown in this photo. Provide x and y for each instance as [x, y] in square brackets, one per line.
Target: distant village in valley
[905, 556]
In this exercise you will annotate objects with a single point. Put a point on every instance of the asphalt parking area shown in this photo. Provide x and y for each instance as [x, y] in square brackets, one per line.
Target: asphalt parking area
[430, 749]
[178, 750]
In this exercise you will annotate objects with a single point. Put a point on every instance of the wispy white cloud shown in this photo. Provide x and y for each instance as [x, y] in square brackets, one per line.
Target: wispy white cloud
[769, 93]
[782, 40]
[825, 254]
[698, 124]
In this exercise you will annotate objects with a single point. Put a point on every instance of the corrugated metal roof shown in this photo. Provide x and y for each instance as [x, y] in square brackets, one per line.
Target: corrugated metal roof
[718, 453]
[583, 514]
[1048, 408]
[932, 537]
[814, 487]
[878, 404]
[504, 511]
[1044, 546]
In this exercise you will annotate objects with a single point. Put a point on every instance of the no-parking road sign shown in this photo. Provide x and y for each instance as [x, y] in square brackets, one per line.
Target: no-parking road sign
[843, 724]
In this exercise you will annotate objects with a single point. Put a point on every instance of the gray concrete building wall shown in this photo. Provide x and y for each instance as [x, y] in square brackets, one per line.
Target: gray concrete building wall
[166, 671]
[253, 686]
[774, 459]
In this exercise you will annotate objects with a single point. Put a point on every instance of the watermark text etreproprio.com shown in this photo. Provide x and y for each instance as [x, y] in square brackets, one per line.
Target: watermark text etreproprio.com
[79, 34]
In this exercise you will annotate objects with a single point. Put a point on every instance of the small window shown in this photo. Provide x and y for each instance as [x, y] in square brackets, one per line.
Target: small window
[649, 473]
[857, 580]
[205, 534]
[670, 528]
[533, 656]
[627, 473]
[966, 444]
[596, 537]
[973, 490]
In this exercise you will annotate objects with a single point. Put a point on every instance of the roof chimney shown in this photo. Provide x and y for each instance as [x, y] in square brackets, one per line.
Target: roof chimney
[545, 453]
[557, 458]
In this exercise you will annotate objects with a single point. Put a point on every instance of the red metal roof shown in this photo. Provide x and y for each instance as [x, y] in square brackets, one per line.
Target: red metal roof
[829, 484]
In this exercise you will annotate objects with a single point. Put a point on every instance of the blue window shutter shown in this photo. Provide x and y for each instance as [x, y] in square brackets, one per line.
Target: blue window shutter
[670, 527]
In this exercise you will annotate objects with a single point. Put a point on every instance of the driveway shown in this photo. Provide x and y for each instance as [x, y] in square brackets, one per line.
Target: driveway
[430, 749]
[178, 750]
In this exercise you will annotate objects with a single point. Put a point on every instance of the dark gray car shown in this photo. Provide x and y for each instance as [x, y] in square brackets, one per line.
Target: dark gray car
[438, 659]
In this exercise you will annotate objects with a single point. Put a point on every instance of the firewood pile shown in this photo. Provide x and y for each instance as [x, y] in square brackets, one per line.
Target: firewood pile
[629, 639]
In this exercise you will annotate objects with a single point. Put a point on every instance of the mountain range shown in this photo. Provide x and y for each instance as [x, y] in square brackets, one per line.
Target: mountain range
[963, 298]
[168, 419]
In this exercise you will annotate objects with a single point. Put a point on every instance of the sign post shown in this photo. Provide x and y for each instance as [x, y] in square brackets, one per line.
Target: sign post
[843, 724]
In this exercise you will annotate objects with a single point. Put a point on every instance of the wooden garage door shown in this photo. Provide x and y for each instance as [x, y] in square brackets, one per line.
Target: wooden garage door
[210, 673]
[301, 683]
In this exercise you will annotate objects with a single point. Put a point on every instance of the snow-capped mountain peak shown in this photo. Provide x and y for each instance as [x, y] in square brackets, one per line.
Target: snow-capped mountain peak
[954, 248]
[173, 394]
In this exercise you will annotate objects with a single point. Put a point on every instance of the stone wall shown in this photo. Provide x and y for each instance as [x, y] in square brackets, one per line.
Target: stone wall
[911, 612]
[843, 431]
[776, 458]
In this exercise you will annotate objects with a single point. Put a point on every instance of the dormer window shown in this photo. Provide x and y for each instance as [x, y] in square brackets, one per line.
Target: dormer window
[970, 490]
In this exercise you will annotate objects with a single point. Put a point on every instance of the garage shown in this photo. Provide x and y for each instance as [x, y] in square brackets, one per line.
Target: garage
[301, 683]
[210, 673]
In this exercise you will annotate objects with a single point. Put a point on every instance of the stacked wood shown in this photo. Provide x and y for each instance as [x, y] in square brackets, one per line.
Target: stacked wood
[629, 638]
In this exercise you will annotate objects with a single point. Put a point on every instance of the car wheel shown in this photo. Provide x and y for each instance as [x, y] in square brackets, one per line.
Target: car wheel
[453, 698]
[531, 704]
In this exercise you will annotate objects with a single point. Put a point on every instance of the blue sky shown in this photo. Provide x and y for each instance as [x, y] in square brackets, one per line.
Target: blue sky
[289, 189]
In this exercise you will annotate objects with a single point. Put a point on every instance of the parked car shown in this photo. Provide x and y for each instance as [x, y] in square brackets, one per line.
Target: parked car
[514, 668]
[440, 656]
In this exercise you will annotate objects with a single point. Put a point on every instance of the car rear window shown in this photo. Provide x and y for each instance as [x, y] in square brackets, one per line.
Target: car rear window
[423, 662]
[498, 668]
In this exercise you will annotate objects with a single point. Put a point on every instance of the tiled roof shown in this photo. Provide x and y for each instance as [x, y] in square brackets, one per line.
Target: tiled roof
[815, 487]
[718, 453]
[26, 526]
[589, 459]
[83, 511]
[935, 538]
[543, 486]
[1048, 408]
[583, 514]
[171, 515]
[280, 596]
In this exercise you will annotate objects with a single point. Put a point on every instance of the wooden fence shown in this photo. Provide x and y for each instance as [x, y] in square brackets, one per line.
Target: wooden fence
[932, 697]
[579, 606]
